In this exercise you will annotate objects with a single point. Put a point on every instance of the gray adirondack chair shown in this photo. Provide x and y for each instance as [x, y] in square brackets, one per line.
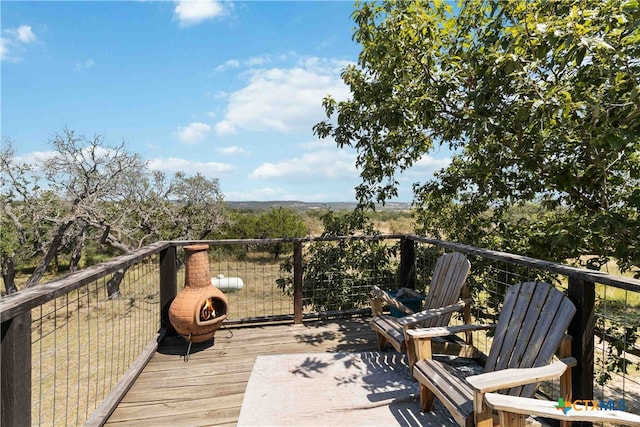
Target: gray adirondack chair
[531, 328]
[443, 299]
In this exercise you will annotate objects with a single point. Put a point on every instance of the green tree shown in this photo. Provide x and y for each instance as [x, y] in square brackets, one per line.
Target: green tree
[540, 101]
[338, 274]
[280, 222]
[17, 231]
[275, 223]
[199, 205]
[240, 225]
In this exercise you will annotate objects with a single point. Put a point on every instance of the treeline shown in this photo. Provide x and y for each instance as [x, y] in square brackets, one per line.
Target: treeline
[89, 201]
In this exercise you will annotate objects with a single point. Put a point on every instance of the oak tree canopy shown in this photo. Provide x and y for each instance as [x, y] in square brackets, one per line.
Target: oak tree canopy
[538, 100]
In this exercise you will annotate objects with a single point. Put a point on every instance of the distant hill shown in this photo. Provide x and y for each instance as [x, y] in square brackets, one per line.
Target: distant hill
[303, 206]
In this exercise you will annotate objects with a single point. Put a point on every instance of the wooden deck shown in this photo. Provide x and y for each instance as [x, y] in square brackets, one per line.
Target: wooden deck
[207, 390]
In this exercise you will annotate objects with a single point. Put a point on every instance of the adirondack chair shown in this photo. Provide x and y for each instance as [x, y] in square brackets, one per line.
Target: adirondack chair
[512, 412]
[530, 329]
[449, 277]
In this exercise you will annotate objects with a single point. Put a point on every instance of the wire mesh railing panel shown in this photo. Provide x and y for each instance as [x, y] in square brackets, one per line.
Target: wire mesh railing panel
[617, 347]
[84, 341]
[426, 258]
[338, 276]
[258, 269]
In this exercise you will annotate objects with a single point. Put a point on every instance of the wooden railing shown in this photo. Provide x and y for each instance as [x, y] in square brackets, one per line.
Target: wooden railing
[58, 317]
[86, 290]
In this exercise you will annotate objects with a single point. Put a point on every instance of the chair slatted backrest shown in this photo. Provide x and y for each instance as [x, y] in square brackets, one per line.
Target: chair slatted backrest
[449, 276]
[532, 323]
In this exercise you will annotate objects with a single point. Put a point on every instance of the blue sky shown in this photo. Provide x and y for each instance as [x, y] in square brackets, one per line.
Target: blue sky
[227, 89]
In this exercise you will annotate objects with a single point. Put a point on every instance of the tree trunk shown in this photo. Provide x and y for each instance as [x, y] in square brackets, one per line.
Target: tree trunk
[51, 253]
[76, 253]
[9, 274]
[75, 260]
[106, 239]
[113, 285]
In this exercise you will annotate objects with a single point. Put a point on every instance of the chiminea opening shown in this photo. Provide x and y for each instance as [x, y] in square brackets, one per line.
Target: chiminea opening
[210, 310]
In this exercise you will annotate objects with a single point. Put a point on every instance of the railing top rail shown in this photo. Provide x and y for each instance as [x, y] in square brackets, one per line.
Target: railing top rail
[604, 278]
[20, 302]
[287, 240]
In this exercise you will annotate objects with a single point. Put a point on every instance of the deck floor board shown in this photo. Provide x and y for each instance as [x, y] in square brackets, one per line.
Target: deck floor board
[207, 390]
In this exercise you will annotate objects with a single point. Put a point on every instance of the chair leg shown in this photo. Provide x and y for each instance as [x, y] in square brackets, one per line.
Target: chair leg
[426, 398]
[412, 358]
[382, 341]
[507, 419]
[483, 413]
[565, 380]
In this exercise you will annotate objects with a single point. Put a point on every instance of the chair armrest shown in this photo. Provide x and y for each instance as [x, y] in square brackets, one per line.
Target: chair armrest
[513, 377]
[550, 409]
[421, 316]
[443, 331]
[376, 292]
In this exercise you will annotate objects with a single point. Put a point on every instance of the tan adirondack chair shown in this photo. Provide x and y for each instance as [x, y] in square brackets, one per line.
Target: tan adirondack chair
[443, 299]
[513, 410]
[531, 328]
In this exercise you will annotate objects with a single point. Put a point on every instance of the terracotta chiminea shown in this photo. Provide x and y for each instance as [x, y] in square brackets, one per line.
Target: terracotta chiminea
[200, 308]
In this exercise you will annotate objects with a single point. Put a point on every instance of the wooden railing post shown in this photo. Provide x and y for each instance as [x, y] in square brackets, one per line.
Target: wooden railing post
[408, 277]
[582, 331]
[15, 373]
[168, 286]
[297, 282]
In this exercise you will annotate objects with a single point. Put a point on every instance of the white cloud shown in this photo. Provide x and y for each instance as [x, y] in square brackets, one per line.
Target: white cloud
[284, 99]
[232, 150]
[15, 39]
[25, 35]
[427, 166]
[35, 157]
[258, 60]
[252, 62]
[220, 94]
[192, 12]
[231, 63]
[172, 165]
[260, 194]
[85, 65]
[266, 194]
[321, 173]
[194, 132]
[323, 164]
[4, 47]
[225, 127]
